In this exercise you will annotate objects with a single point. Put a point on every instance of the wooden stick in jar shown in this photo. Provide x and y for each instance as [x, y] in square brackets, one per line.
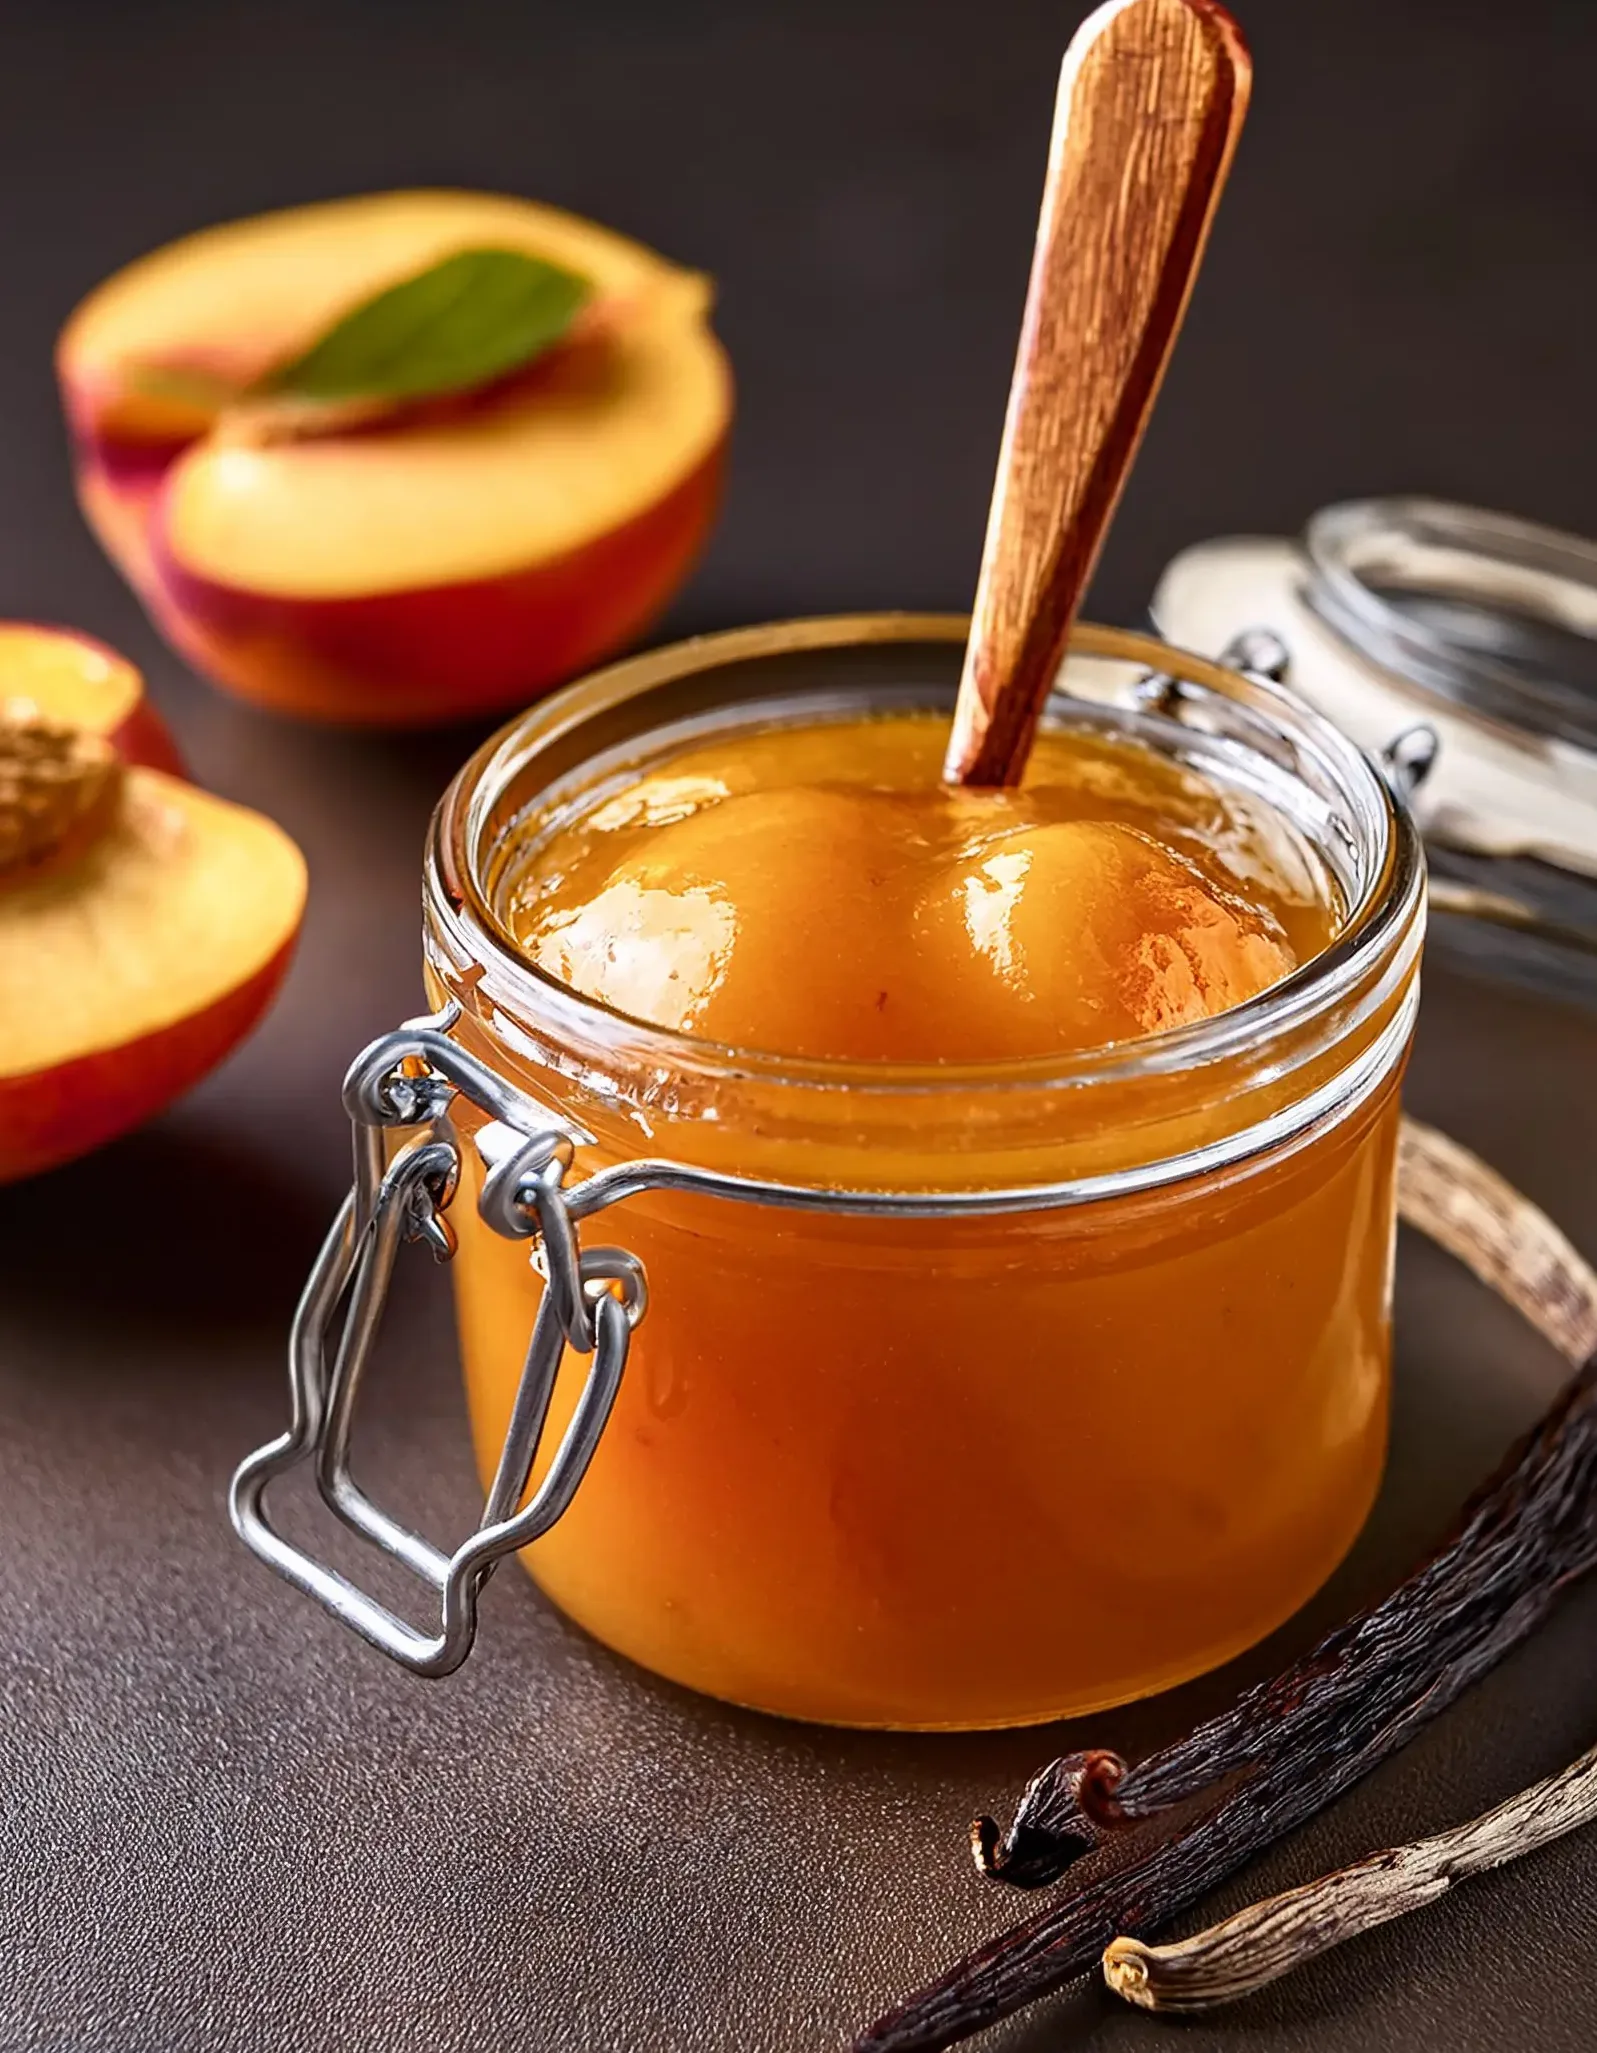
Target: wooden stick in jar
[1151, 99]
[1270, 1939]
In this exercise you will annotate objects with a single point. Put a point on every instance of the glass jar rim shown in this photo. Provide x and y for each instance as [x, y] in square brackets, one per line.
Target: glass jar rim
[461, 914]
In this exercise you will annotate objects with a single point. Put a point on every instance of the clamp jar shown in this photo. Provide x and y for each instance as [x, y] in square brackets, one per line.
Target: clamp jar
[965, 1395]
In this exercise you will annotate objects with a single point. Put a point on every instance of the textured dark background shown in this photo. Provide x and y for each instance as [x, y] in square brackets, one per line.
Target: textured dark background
[223, 1826]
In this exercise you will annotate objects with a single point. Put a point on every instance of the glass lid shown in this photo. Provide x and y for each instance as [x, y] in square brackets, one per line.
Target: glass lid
[1495, 615]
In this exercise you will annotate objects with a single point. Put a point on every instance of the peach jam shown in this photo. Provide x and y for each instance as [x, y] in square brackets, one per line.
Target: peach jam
[1020, 1287]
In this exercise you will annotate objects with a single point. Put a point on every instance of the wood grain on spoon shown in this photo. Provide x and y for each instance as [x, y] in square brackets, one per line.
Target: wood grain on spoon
[1151, 99]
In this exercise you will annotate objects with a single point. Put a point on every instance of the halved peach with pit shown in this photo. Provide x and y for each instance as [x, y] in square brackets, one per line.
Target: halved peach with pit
[144, 928]
[441, 560]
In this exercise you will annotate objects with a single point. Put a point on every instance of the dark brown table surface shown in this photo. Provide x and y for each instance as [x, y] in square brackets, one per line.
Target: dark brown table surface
[224, 1826]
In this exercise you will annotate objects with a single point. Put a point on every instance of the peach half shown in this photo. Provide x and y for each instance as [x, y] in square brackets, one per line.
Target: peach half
[144, 928]
[444, 560]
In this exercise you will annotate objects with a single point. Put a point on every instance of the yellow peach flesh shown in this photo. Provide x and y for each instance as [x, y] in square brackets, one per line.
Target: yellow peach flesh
[477, 496]
[183, 899]
[67, 677]
[74, 681]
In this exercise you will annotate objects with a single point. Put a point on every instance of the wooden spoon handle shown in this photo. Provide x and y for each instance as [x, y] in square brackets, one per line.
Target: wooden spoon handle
[1151, 99]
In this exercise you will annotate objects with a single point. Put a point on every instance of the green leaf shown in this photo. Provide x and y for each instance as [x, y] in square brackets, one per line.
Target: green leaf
[463, 322]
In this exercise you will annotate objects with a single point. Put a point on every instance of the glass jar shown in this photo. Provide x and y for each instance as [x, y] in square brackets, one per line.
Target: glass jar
[965, 1395]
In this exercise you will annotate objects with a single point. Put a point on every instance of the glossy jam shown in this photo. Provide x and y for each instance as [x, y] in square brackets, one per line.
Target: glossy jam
[819, 893]
[949, 1471]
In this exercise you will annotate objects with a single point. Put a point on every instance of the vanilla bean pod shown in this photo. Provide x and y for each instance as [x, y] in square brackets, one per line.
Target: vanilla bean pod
[1499, 1575]
[1267, 1940]
[1159, 1836]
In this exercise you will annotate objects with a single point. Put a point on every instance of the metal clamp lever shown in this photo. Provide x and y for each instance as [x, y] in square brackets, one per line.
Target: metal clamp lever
[591, 1301]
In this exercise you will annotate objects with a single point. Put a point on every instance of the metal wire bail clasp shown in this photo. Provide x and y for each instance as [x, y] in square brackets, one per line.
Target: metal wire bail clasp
[592, 1299]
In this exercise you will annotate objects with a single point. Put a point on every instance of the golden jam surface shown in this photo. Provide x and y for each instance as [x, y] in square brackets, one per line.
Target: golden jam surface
[818, 892]
[946, 1471]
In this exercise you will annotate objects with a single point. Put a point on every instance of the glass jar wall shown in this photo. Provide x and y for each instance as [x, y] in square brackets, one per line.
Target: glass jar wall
[993, 1392]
